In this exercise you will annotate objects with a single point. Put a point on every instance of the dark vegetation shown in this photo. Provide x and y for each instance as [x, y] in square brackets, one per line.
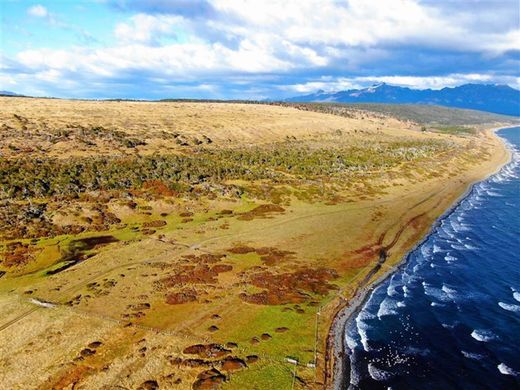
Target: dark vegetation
[21, 219]
[36, 178]
[75, 252]
[456, 130]
[41, 134]
[32, 188]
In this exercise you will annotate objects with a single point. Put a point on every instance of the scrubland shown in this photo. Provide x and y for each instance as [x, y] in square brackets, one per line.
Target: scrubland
[202, 245]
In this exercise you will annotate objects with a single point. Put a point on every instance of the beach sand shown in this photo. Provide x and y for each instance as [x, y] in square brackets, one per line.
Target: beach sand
[338, 373]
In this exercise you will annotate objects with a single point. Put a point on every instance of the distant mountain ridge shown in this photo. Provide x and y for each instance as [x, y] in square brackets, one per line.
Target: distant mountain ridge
[8, 93]
[500, 99]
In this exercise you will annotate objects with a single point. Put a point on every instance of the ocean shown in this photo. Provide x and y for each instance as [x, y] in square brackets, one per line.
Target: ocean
[449, 318]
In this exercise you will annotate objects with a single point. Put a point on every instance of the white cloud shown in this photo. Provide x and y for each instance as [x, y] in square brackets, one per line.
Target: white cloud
[357, 23]
[143, 28]
[38, 11]
[179, 60]
[251, 38]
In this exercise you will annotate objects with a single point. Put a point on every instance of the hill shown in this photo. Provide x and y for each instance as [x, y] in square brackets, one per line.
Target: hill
[421, 114]
[500, 99]
[199, 245]
[8, 93]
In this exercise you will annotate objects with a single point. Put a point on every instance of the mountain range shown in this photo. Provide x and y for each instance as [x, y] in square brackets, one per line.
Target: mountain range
[500, 99]
[8, 93]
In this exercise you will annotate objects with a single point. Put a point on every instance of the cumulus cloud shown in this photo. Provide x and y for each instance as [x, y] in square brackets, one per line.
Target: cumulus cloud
[145, 28]
[38, 11]
[263, 47]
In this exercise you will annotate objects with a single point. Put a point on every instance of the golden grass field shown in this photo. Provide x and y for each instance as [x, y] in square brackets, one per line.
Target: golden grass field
[218, 284]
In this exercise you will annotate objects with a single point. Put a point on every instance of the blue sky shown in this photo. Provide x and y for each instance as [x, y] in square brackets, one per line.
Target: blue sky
[252, 49]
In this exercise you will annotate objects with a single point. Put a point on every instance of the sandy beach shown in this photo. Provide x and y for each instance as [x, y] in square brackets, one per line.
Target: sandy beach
[347, 309]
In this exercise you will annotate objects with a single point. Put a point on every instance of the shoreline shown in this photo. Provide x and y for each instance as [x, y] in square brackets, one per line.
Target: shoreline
[348, 310]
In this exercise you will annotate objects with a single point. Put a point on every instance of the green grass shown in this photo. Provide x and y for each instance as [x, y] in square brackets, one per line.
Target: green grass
[297, 342]
[272, 370]
[263, 375]
[456, 130]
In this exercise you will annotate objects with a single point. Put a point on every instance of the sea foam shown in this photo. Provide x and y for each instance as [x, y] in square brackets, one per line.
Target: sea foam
[377, 373]
[483, 335]
[471, 355]
[504, 369]
[509, 307]
[388, 307]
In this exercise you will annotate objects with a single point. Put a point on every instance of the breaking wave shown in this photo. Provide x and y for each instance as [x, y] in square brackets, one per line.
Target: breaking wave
[454, 305]
[509, 307]
[483, 335]
[505, 370]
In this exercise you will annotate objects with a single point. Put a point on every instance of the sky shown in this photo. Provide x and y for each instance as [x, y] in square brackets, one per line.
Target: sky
[252, 49]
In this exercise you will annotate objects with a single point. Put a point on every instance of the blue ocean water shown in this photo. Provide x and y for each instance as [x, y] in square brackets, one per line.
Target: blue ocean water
[450, 317]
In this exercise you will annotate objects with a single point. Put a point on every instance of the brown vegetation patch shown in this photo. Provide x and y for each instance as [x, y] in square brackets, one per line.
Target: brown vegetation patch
[262, 211]
[206, 350]
[195, 274]
[158, 187]
[241, 250]
[181, 297]
[252, 359]
[207, 258]
[273, 297]
[233, 363]
[192, 363]
[219, 268]
[139, 306]
[273, 256]
[209, 380]
[17, 254]
[270, 256]
[154, 224]
[293, 287]
[225, 212]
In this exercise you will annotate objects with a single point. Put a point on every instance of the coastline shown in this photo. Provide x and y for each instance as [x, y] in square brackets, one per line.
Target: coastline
[347, 310]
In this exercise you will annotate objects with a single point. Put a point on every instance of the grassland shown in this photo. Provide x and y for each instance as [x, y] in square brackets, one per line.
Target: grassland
[201, 245]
